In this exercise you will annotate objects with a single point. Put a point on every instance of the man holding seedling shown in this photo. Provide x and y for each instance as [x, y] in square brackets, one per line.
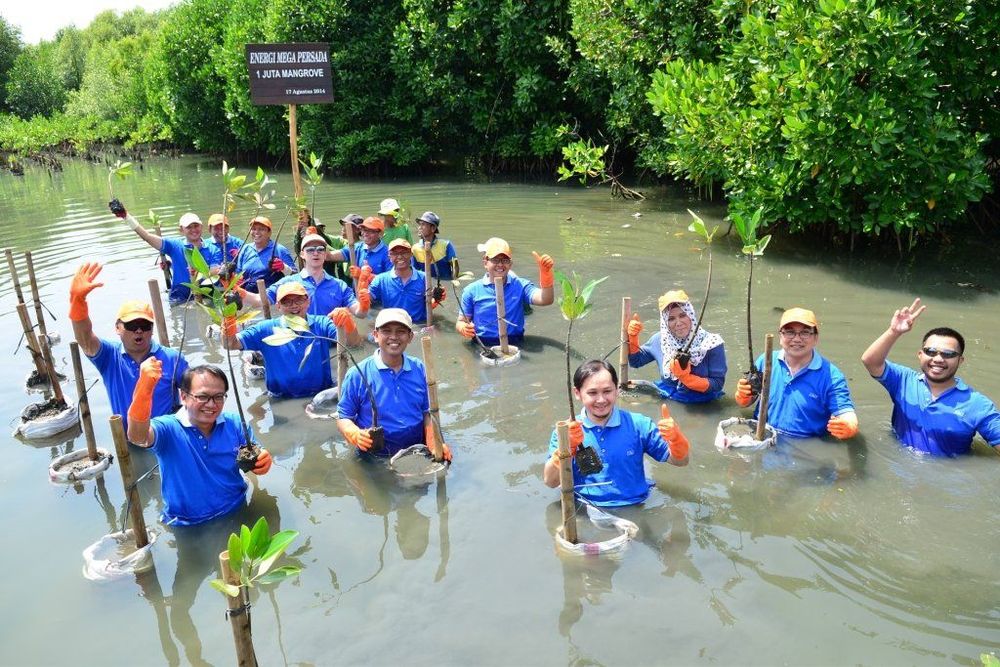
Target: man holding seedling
[398, 383]
[808, 396]
[118, 361]
[933, 411]
[403, 286]
[221, 245]
[369, 250]
[262, 257]
[298, 365]
[479, 301]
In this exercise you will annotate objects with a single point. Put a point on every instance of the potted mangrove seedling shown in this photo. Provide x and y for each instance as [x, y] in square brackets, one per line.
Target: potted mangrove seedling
[698, 227]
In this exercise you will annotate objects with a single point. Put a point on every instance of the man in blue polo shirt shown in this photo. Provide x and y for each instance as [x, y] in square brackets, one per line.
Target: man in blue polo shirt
[622, 438]
[399, 384]
[221, 246]
[118, 361]
[444, 260]
[369, 250]
[402, 286]
[285, 374]
[932, 411]
[479, 299]
[196, 448]
[262, 258]
[809, 395]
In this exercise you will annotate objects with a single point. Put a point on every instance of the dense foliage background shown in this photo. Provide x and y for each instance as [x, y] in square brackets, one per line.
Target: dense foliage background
[854, 116]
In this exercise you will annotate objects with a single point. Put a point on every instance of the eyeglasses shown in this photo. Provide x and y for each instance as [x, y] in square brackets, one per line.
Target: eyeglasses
[293, 300]
[205, 399]
[502, 261]
[314, 249]
[138, 325]
[804, 334]
[938, 352]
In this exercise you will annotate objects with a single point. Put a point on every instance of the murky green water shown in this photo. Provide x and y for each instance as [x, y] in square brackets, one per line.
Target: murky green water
[817, 553]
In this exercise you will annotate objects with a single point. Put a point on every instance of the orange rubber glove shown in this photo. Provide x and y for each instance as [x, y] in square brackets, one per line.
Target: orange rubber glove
[546, 276]
[429, 439]
[354, 271]
[82, 285]
[575, 440]
[743, 396]
[687, 378]
[843, 426]
[358, 437]
[342, 318]
[437, 302]
[467, 329]
[229, 326]
[263, 463]
[364, 299]
[671, 432]
[633, 329]
[150, 373]
[365, 276]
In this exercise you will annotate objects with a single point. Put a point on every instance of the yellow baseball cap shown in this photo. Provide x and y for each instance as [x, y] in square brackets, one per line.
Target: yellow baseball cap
[290, 288]
[494, 246]
[217, 219]
[261, 220]
[135, 310]
[400, 243]
[673, 296]
[800, 315]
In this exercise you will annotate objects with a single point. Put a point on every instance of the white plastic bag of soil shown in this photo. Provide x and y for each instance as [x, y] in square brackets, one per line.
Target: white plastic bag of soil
[77, 466]
[115, 556]
[607, 535]
[416, 464]
[324, 404]
[253, 365]
[740, 434]
[500, 359]
[42, 420]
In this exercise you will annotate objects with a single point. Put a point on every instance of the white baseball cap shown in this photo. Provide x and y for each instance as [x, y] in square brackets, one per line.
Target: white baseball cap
[388, 207]
[189, 219]
[393, 315]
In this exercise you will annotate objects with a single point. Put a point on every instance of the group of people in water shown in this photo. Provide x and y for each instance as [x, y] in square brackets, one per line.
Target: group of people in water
[339, 280]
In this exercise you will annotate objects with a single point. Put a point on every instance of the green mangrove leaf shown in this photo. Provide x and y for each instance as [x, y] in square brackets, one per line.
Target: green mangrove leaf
[197, 261]
[589, 289]
[260, 538]
[761, 245]
[211, 312]
[247, 316]
[297, 323]
[122, 169]
[279, 542]
[229, 309]
[235, 552]
[227, 589]
[281, 336]
[282, 572]
[305, 354]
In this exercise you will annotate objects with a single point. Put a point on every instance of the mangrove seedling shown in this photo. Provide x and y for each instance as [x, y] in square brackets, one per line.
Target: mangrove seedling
[120, 169]
[313, 177]
[752, 247]
[698, 227]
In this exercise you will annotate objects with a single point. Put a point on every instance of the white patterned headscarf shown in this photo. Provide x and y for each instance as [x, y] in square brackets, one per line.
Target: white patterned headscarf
[670, 344]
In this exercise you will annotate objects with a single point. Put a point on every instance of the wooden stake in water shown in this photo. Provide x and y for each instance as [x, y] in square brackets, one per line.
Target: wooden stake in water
[239, 616]
[352, 259]
[43, 342]
[128, 480]
[31, 340]
[342, 359]
[265, 302]
[501, 316]
[157, 303]
[167, 278]
[81, 392]
[566, 483]
[432, 397]
[765, 388]
[428, 290]
[623, 350]
[39, 313]
[13, 275]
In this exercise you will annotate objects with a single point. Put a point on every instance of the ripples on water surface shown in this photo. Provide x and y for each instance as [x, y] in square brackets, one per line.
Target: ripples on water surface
[814, 553]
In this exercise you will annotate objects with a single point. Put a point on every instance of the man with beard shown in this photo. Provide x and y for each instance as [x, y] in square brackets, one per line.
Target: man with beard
[932, 411]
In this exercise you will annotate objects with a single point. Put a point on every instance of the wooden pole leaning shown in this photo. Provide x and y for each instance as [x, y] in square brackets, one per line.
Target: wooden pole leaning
[265, 303]
[765, 388]
[432, 397]
[32, 341]
[167, 278]
[128, 480]
[293, 143]
[13, 275]
[43, 342]
[39, 313]
[342, 360]
[501, 316]
[623, 350]
[157, 302]
[81, 392]
[428, 289]
[566, 483]
[239, 616]
[352, 259]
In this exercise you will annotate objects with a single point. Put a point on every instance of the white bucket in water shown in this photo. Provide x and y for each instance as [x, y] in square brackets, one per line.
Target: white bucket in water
[416, 464]
[114, 556]
[737, 433]
[513, 356]
[324, 404]
[77, 466]
[611, 547]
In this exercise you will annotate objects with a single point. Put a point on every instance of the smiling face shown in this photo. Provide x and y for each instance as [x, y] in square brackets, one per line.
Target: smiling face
[678, 322]
[371, 237]
[220, 232]
[937, 369]
[314, 255]
[498, 266]
[192, 232]
[294, 304]
[401, 259]
[426, 230]
[598, 393]
[392, 339]
[136, 336]
[798, 341]
[259, 234]
[205, 400]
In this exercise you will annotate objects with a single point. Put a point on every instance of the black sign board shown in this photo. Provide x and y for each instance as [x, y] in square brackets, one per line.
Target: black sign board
[290, 73]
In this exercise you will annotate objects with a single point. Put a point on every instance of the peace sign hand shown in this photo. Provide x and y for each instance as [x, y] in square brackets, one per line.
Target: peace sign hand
[903, 319]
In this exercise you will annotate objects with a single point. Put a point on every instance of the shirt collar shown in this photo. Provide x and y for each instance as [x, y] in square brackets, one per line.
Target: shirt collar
[959, 385]
[304, 275]
[154, 347]
[381, 365]
[814, 363]
[488, 281]
[614, 420]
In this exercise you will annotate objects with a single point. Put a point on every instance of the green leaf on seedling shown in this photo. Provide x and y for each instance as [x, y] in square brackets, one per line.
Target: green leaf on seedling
[279, 542]
[229, 310]
[227, 589]
[247, 316]
[698, 227]
[237, 182]
[297, 323]
[235, 553]
[281, 336]
[245, 537]
[122, 169]
[761, 245]
[305, 354]
[260, 538]
[281, 573]
[211, 312]
[197, 261]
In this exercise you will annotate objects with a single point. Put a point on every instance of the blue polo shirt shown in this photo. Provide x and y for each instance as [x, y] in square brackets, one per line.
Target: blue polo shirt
[713, 367]
[479, 303]
[942, 426]
[324, 296]
[199, 478]
[401, 397]
[120, 373]
[391, 292]
[253, 264]
[233, 246]
[442, 252]
[377, 257]
[621, 442]
[281, 362]
[801, 406]
[174, 249]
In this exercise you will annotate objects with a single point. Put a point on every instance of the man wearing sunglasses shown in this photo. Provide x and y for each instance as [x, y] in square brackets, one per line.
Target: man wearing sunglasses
[808, 397]
[932, 410]
[118, 361]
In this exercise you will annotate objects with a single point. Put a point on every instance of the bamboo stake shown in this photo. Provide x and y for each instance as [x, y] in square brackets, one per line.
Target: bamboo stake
[13, 275]
[566, 483]
[352, 259]
[239, 615]
[265, 302]
[623, 350]
[293, 142]
[432, 396]
[43, 342]
[128, 481]
[342, 360]
[157, 303]
[39, 314]
[765, 387]
[428, 290]
[31, 340]
[167, 278]
[81, 392]
[501, 316]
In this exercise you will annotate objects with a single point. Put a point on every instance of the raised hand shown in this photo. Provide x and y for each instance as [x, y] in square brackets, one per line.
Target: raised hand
[546, 275]
[903, 319]
[84, 282]
[634, 329]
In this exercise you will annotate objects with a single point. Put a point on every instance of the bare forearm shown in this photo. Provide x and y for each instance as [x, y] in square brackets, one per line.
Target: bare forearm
[543, 296]
[83, 331]
[875, 356]
[139, 433]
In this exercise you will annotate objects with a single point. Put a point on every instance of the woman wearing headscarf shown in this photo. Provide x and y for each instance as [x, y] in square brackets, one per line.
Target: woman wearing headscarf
[702, 378]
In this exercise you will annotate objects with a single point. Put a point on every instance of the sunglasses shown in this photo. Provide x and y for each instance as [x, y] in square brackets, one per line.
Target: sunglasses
[315, 249]
[137, 325]
[938, 352]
